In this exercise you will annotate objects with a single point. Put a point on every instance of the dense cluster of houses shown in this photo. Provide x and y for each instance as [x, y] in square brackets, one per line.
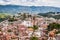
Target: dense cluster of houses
[22, 29]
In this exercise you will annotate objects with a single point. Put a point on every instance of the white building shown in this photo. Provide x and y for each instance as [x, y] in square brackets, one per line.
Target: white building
[27, 23]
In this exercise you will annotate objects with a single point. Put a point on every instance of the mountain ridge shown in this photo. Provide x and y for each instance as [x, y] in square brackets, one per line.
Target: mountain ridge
[30, 9]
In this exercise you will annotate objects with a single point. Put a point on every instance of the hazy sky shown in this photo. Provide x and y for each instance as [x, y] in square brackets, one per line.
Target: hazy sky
[55, 3]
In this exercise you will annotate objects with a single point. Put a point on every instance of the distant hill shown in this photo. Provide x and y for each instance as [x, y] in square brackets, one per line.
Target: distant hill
[55, 15]
[12, 9]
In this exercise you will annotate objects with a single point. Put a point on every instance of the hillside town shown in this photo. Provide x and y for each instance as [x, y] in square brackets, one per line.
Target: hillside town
[24, 26]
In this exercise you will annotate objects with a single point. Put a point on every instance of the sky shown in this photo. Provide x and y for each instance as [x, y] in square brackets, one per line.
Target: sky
[55, 3]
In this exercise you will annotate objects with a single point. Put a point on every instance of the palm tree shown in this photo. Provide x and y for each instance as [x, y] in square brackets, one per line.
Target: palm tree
[35, 27]
[33, 18]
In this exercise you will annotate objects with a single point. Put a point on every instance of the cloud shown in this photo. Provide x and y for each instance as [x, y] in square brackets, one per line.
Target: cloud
[55, 3]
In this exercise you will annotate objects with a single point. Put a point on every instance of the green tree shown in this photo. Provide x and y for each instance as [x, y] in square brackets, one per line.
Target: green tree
[12, 19]
[52, 26]
[35, 27]
[57, 32]
[4, 16]
[33, 38]
[9, 30]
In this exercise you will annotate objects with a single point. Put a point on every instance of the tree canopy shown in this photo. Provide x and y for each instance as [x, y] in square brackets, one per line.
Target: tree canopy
[57, 32]
[33, 38]
[35, 27]
[12, 19]
[4, 16]
[52, 26]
